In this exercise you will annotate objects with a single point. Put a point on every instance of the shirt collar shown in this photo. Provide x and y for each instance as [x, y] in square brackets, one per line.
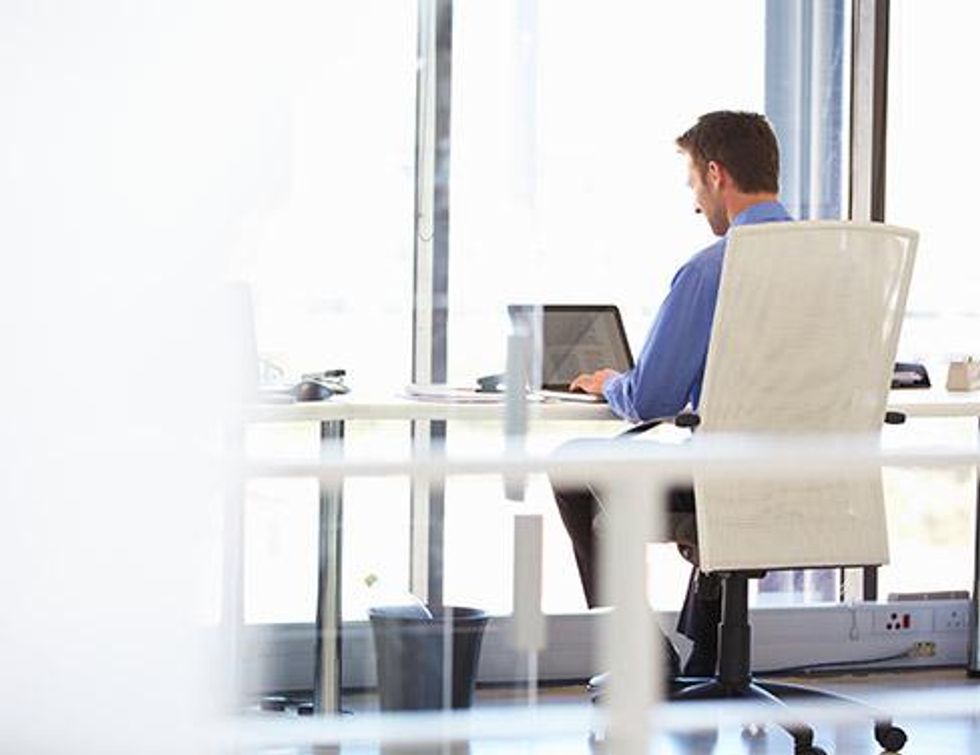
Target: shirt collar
[763, 212]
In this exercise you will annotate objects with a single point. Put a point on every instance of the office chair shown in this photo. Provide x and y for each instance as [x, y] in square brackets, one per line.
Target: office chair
[803, 344]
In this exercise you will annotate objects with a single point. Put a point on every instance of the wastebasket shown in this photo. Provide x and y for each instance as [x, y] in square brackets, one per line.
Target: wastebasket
[409, 647]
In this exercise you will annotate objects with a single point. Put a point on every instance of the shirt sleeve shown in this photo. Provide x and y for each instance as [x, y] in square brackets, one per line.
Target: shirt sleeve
[670, 366]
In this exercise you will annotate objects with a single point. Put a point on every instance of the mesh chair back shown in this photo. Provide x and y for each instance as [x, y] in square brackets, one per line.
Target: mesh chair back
[803, 343]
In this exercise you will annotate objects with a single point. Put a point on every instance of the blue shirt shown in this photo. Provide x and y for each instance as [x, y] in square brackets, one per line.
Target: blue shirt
[670, 367]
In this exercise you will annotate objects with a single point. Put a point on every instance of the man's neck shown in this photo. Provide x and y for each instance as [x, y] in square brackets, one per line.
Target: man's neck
[738, 203]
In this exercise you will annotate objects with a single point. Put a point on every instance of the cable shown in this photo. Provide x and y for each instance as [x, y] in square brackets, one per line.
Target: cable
[810, 668]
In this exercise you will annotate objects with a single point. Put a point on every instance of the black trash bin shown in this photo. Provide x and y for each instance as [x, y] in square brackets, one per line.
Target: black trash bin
[409, 647]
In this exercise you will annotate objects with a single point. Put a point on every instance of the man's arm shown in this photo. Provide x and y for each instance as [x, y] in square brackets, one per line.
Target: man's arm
[671, 364]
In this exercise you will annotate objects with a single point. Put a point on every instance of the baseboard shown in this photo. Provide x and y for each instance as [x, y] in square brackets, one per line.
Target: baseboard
[280, 657]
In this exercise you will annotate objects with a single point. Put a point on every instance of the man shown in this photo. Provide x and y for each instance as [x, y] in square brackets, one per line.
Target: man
[733, 173]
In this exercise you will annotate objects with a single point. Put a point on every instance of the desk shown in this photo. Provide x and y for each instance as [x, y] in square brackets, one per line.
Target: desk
[334, 413]
[935, 402]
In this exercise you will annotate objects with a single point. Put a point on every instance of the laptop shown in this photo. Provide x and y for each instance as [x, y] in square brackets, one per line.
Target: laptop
[575, 338]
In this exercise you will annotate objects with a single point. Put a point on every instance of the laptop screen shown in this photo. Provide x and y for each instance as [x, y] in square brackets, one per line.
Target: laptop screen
[575, 339]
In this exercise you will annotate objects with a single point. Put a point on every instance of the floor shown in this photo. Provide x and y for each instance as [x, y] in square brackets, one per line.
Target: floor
[931, 729]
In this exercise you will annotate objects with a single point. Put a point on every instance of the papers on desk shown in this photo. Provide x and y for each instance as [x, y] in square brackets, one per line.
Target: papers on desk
[450, 394]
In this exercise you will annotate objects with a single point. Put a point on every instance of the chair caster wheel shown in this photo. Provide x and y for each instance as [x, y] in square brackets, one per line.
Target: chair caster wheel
[890, 737]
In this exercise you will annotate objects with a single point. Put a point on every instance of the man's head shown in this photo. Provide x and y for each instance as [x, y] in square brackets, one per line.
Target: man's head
[733, 163]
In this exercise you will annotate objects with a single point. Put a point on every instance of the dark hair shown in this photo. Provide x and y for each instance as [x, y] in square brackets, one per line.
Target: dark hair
[742, 142]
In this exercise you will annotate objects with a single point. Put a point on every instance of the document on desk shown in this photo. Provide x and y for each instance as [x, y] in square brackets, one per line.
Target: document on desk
[450, 394]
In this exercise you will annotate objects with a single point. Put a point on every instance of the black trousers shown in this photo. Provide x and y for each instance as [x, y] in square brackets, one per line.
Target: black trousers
[580, 508]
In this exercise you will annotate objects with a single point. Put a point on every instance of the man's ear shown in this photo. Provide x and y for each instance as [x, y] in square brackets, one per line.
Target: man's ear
[715, 174]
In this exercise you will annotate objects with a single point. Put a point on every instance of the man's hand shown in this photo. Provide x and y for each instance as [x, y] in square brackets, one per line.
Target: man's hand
[592, 382]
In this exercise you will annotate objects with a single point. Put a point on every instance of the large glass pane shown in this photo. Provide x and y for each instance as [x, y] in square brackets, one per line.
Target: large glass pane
[943, 305]
[566, 187]
[931, 511]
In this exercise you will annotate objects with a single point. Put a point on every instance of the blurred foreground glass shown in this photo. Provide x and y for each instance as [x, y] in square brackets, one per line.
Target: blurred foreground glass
[329, 260]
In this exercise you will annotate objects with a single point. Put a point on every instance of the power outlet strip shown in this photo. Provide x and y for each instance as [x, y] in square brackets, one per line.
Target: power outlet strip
[901, 620]
[931, 632]
[281, 656]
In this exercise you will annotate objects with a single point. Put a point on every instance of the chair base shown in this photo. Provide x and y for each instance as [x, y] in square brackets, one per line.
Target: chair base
[734, 675]
[890, 737]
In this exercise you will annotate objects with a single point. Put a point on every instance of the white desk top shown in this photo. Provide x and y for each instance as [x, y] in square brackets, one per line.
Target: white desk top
[358, 407]
[934, 402]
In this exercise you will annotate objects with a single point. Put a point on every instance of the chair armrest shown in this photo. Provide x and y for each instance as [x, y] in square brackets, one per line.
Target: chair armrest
[684, 419]
[692, 420]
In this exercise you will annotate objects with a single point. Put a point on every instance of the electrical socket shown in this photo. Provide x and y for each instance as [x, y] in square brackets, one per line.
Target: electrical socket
[898, 620]
[925, 649]
[951, 619]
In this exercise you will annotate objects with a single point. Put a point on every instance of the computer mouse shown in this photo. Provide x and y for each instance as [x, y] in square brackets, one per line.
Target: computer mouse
[311, 390]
